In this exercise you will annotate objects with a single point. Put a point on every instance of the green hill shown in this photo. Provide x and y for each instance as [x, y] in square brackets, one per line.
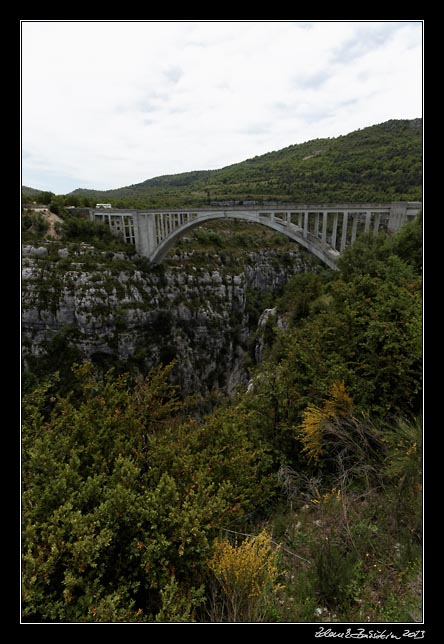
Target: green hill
[378, 163]
[26, 190]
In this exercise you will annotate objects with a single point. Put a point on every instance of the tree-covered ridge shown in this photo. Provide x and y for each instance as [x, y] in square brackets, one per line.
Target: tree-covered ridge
[137, 509]
[27, 190]
[380, 163]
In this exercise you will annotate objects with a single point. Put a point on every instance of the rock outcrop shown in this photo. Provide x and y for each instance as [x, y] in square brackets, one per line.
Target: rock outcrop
[110, 307]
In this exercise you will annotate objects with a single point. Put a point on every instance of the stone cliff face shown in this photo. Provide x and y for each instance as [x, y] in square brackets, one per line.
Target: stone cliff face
[107, 306]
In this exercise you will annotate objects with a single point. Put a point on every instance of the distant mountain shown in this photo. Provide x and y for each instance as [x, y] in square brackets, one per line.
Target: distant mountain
[378, 163]
[26, 190]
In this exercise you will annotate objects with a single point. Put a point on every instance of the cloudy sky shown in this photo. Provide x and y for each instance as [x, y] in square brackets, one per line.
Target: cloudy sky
[109, 104]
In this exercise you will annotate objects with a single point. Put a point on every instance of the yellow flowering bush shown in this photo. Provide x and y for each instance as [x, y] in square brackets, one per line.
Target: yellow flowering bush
[246, 573]
[314, 418]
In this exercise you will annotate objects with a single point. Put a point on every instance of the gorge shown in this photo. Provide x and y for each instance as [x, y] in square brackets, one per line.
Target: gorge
[200, 309]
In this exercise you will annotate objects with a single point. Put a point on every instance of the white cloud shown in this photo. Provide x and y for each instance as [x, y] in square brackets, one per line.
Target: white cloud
[107, 104]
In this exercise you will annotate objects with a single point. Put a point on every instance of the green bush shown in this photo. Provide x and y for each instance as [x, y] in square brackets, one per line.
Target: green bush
[121, 493]
[78, 229]
[335, 574]
[34, 226]
[403, 468]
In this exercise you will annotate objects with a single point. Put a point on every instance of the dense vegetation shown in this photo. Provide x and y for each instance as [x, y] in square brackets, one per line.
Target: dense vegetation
[297, 500]
[378, 163]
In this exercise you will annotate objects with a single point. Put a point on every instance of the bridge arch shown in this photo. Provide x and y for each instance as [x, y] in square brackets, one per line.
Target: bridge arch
[325, 230]
[326, 255]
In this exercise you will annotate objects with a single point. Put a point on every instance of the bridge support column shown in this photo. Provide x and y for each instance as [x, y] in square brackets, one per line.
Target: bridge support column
[334, 231]
[354, 228]
[162, 226]
[368, 216]
[324, 227]
[144, 233]
[344, 231]
[376, 224]
[398, 215]
[306, 223]
[316, 231]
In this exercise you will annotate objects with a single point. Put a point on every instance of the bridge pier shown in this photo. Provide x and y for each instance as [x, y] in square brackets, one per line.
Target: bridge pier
[376, 223]
[368, 217]
[335, 230]
[398, 216]
[354, 228]
[324, 227]
[145, 233]
[344, 232]
[316, 225]
[306, 224]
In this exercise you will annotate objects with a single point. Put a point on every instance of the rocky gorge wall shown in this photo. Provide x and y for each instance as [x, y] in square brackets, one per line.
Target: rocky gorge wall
[111, 307]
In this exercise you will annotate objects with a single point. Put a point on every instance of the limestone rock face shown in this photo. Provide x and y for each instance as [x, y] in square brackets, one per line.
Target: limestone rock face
[107, 306]
[32, 251]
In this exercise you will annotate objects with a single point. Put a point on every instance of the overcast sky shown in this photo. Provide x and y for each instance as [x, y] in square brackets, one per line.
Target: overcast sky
[109, 104]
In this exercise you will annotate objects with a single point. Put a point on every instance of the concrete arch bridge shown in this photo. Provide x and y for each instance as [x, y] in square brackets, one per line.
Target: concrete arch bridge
[323, 229]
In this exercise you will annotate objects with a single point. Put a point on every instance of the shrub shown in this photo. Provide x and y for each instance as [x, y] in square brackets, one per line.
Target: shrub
[121, 492]
[403, 468]
[314, 422]
[177, 606]
[245, 573]
[335, 572]
[34, 226]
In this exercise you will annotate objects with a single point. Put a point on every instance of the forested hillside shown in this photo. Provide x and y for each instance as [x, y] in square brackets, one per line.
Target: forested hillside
[31, 192]
[296, 499]
[378, 163]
